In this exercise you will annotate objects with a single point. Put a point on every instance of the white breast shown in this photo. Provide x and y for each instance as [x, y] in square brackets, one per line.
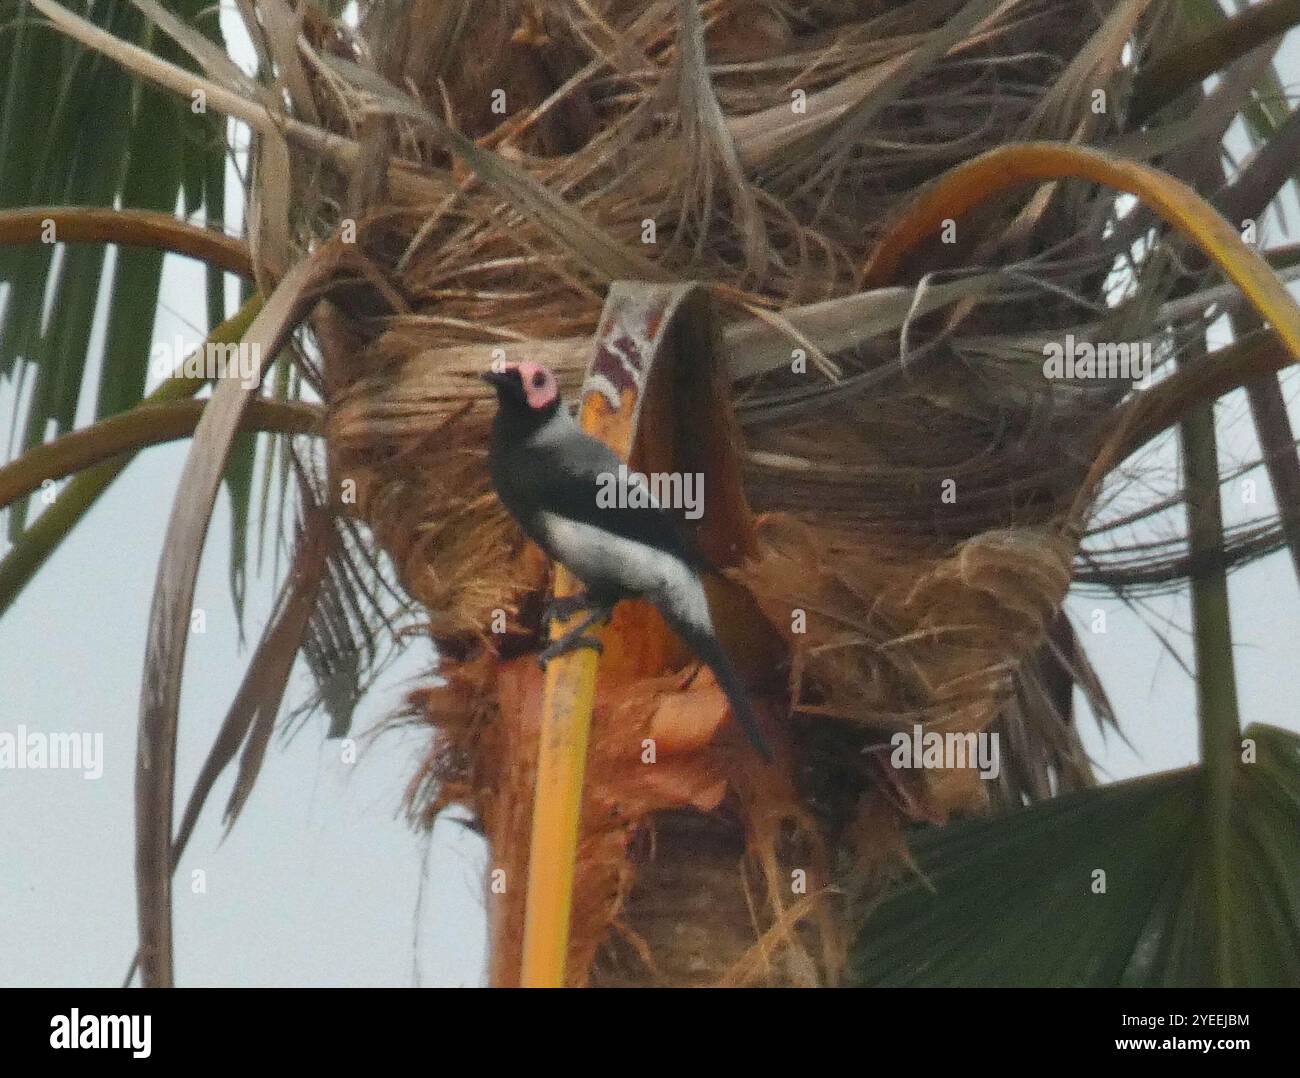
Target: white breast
[598, 558]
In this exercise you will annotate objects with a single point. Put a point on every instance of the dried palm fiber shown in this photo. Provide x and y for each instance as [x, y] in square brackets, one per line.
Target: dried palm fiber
[916, 608]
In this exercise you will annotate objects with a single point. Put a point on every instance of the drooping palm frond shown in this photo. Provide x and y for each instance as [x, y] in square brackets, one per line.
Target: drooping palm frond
[77, 130]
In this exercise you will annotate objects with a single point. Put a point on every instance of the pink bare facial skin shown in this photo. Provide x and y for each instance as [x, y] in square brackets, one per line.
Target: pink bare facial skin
[540, 386]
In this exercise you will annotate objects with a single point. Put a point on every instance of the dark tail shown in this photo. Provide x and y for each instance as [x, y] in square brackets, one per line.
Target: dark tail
[705, 645]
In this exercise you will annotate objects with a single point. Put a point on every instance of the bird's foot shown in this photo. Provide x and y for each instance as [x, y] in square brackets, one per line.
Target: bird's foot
[564, 607]
[570, 642]
[577, 637]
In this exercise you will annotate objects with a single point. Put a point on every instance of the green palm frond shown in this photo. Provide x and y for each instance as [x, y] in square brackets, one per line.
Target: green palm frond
[1109, 886]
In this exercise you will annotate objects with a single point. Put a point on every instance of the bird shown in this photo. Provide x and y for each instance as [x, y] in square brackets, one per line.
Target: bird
[548, 473]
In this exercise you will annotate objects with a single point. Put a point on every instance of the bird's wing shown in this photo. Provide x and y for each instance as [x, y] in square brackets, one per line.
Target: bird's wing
[582, 482]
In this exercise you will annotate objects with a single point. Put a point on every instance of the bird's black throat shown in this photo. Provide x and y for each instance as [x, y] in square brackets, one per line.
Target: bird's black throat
[515, 420]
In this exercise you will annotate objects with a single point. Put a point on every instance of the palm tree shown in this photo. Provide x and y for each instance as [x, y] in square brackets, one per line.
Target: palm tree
[823, 253]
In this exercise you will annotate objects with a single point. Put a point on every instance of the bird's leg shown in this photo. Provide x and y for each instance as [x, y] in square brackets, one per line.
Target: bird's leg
[577, 638]
[564, 607]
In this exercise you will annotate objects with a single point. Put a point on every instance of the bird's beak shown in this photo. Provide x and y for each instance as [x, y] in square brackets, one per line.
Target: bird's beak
[496, 378]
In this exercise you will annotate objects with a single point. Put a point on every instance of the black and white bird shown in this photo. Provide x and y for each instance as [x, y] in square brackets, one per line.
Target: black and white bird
[548, 473]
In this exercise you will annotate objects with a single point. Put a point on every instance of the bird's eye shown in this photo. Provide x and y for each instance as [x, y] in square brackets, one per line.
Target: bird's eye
[539, 380]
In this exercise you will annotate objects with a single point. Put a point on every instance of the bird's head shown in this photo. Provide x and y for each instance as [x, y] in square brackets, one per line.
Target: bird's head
[525, 387]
